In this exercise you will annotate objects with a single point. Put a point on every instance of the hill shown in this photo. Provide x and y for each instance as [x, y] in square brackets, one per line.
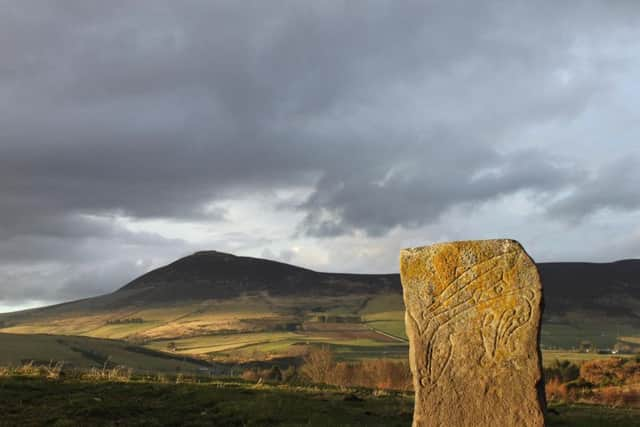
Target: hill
[215, 305]
[609, 288]
[217, 275]
[212, 275]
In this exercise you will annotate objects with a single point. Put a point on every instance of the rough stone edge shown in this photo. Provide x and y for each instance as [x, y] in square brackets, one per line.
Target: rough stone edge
[542, 399]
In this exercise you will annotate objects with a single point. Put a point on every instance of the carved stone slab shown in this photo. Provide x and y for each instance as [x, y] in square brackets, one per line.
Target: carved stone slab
[473, 313]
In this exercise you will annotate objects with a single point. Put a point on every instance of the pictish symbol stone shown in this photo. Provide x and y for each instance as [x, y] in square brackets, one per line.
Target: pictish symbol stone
[473, 312]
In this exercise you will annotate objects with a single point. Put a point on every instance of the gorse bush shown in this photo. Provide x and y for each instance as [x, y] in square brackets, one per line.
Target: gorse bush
[555, 390]
[612, 382]
[613, 371]
[617, 396]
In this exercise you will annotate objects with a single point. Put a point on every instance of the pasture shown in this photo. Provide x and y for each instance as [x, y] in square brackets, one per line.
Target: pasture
[261, 327]
[83, 352]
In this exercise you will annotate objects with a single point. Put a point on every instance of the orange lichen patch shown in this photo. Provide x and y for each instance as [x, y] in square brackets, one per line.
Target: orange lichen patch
[445, 264]
[473, 314]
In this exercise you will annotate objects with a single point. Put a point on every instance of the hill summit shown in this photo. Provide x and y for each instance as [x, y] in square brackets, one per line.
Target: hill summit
[239, 305]
[219, 275]
[607, 288]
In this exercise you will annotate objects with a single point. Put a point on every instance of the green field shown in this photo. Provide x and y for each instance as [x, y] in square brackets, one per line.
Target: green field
[35, 402]
[351, 344]
[83, 352]
[601, 332]
[260, 327]
[575, 357]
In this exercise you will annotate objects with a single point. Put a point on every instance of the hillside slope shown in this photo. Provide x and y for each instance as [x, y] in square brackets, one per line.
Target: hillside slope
[240, 306]
[611, 288]
[211, 274]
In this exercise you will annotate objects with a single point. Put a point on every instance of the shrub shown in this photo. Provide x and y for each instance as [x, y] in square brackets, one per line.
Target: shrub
[555, 390]
[318, 364]
[563, 370]
[274, 374]
[382, 374]
[290, 374]
[631, 372]
[250, 375]
[603, 372]
[611, 396]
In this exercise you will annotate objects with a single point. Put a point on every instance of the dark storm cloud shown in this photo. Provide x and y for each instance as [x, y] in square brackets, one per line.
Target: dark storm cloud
[417, 191]
[155, 111]
[390, 112]
[615, 186]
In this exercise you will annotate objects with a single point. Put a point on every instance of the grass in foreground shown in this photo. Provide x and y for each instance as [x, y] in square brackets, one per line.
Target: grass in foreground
[37, 401]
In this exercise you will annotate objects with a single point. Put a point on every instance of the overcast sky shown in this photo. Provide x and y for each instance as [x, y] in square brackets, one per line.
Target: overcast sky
[328, 134]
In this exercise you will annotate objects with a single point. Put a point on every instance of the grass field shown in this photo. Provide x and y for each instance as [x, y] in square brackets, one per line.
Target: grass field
[36, 402]
[263, 327]
[632, 340]
[350, 344]
[601, 332]
[83, 352]
[549, 356]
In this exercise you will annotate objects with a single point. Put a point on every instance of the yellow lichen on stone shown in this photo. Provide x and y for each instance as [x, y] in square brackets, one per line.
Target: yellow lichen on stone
[473, 314]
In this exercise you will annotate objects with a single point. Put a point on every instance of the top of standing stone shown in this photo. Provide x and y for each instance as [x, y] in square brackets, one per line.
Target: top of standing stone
[462, 244]
[473, 312]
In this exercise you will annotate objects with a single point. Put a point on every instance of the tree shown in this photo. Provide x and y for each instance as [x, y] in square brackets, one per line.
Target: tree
[319, 364]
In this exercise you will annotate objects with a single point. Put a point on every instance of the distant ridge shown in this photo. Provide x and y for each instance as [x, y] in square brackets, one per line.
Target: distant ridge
[609, 288]
[612, 288]
[213, 274]
[603, 287]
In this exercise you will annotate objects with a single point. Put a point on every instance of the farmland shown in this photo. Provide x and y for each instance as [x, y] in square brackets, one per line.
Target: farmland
[83, 352]
[225, 308]
[261, 327]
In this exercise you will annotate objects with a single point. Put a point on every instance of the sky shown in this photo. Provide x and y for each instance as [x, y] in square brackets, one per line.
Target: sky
[325, 134]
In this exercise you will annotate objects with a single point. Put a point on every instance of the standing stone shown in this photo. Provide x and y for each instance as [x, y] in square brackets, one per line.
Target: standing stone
[473, 313]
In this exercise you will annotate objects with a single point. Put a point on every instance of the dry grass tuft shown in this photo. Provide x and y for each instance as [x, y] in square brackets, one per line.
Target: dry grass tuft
[116, 373]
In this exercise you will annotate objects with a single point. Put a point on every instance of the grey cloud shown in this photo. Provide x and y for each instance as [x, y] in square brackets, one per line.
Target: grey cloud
[57, 284]
[155, 111]
[391, 113]
[26, 249]
[420, 191]
[615, 186]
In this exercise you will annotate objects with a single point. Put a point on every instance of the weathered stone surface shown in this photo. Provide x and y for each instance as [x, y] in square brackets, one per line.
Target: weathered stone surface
[473, 319]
